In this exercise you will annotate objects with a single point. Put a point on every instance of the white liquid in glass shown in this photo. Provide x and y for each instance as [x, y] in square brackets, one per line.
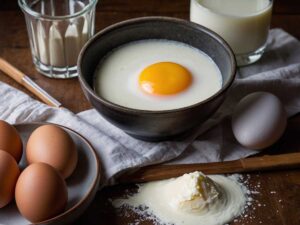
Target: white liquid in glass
[244, 24]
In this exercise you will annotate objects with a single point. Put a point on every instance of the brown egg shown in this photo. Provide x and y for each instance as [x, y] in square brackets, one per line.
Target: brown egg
[9, 173]
[53, 145]
[10, 140]
[41, 192]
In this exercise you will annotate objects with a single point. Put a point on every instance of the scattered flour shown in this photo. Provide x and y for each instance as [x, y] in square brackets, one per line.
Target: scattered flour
[145, 202]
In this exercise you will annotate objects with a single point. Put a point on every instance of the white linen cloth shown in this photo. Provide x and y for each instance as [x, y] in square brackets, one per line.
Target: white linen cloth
[277, 72]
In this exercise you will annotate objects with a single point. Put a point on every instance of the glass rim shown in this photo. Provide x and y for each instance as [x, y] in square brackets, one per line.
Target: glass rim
[270, 4]
[26, 8]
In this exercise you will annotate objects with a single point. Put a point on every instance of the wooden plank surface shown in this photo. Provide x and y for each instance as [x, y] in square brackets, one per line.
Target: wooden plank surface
[14, 45]
[278, 195]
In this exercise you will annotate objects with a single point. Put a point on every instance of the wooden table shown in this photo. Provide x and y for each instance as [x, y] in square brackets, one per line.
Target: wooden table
[279, 192]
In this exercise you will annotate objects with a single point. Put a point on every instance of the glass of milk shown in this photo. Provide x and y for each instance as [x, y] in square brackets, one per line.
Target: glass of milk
[57, 31]
[244, 24]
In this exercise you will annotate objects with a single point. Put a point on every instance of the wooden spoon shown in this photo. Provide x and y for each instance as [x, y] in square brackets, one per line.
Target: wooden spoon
[24, 80]
[160, 172]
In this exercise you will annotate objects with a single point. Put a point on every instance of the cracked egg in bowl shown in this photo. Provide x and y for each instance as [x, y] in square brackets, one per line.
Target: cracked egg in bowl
[156, 78]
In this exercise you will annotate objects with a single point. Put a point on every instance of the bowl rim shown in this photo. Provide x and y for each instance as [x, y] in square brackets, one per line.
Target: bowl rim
[95, 183]
[137, 20]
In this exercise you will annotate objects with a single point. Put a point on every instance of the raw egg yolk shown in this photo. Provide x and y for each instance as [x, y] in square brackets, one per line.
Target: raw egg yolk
[164, 78]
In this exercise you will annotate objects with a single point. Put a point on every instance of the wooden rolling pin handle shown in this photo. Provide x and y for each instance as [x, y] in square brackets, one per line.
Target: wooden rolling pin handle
[13, 72]
[261, 163]
[271, 162]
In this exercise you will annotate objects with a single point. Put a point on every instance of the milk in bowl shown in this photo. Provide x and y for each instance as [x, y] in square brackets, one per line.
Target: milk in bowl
[156, 75]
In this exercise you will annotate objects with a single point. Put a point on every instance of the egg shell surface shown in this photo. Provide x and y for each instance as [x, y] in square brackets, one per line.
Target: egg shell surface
[53, 145]
[259, 120]
[9, 173]
[41, 192]
[10, 140]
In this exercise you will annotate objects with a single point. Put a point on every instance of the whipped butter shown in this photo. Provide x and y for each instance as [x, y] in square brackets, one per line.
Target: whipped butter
[192, 192]
[191, 199]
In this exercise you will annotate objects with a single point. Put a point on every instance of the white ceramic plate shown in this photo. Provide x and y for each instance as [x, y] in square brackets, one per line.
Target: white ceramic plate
[82, 184]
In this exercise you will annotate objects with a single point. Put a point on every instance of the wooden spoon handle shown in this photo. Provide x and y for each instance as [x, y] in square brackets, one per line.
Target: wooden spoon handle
[24, 80]
[159, 172]
[11, 71]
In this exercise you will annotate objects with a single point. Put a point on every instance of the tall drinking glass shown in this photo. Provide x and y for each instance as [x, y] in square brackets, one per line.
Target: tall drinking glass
[244, 24]
[57, 30]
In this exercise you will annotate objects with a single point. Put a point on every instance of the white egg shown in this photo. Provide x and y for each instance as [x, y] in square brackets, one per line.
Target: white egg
[259, 120]
[117, 75]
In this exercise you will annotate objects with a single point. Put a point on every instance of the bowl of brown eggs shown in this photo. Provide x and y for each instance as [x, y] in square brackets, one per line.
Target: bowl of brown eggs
[156, 78]
[48, 174]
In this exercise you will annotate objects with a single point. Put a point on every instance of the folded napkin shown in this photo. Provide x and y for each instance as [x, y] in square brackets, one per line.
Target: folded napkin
[277, 72]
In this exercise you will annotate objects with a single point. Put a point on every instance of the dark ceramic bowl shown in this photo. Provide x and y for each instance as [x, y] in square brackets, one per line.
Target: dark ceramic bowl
[155, 125]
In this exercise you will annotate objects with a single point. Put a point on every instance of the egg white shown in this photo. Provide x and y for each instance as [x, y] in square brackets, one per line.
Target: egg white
[116, 77]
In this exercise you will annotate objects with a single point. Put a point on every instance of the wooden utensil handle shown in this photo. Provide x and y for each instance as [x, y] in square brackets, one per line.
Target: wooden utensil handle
[24, 80]
[159, 172]
[270, 162]
[11, 71]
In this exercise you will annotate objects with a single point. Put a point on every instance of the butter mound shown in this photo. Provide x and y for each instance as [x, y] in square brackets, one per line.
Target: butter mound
[193, 192]
[191, 199]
